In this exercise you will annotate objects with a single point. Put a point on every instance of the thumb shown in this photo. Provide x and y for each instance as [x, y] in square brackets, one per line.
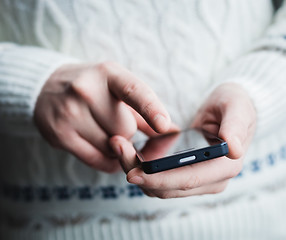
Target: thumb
[234, 130]
[125, 152]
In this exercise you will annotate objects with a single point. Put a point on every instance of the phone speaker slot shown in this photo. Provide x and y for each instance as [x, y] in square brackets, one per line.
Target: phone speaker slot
[187, 159]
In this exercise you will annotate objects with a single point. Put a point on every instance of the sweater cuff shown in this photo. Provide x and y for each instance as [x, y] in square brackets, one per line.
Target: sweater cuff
[263, 75]
[23, 72]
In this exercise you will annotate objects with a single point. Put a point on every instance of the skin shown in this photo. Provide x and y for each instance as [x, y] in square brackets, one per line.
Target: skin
[227, 112]
[79, 105]
[82, 105]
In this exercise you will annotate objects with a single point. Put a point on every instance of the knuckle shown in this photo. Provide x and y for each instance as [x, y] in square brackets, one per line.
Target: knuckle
[149, 105]
[159, 184]
[129, 89]
[163, 195]
[147, 108]
[225, 102]
[155, 184]
[148, 193]
[191, 183]
[105, 67]
[77, 85]
[102, 67]
[72, 109]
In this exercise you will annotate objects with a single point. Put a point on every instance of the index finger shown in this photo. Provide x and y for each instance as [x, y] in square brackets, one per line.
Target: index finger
[137, 94]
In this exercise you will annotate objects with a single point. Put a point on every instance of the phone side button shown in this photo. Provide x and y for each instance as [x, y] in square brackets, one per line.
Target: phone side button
[187, 159]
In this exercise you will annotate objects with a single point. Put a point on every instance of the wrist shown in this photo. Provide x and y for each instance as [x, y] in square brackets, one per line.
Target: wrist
[57, 81]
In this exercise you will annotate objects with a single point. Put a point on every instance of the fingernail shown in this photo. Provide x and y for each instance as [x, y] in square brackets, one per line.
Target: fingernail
[117, 149]
[161, 120]
[136, 180]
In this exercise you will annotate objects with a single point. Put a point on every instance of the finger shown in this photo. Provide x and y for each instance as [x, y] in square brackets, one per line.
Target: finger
[187, 177]
[125, 152]
[209, 123]
[235, 125]
[143, 126]
[209, 189]
[94, 134]
[112, 115]
[126, 87]
[148, 193]
[88, 154]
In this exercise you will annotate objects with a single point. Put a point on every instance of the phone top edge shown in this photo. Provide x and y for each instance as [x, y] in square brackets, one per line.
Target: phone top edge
[171, 162]
[223, 146]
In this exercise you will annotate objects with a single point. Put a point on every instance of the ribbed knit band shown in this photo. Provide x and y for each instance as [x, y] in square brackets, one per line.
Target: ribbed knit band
[23, 72]
[251, 218]
[261, 74]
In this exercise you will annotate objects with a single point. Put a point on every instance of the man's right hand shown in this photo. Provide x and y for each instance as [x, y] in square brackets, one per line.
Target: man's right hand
[82, 105]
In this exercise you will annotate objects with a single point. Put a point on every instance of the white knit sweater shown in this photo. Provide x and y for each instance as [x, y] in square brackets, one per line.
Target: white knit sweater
[182, 49]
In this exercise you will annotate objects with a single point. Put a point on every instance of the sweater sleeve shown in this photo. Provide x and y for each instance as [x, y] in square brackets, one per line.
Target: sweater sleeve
[262, 72]
[23, 72]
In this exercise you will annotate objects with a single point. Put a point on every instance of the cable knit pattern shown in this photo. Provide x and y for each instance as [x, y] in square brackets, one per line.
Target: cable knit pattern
[23, 72]
[182, 49]
[183, 43]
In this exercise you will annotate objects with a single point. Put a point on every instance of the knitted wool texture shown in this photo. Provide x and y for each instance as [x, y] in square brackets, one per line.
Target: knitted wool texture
[182, 49]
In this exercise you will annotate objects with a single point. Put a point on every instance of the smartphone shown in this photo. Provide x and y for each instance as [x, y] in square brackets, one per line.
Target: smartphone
[178, 149]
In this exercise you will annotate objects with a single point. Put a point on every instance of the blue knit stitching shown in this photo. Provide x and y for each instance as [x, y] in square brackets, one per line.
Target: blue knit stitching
[64, 193]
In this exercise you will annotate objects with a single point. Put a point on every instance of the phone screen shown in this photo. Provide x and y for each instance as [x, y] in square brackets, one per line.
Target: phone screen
[178, 149]
[175, 143]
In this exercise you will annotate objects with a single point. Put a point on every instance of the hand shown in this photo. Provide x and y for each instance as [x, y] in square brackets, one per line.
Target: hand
[229, 113]
[82, 105]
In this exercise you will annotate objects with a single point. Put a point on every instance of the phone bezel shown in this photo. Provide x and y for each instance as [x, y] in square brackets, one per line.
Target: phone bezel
[173, 161]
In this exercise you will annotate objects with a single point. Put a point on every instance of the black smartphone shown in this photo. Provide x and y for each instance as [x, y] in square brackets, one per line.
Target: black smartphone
[178, 149]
